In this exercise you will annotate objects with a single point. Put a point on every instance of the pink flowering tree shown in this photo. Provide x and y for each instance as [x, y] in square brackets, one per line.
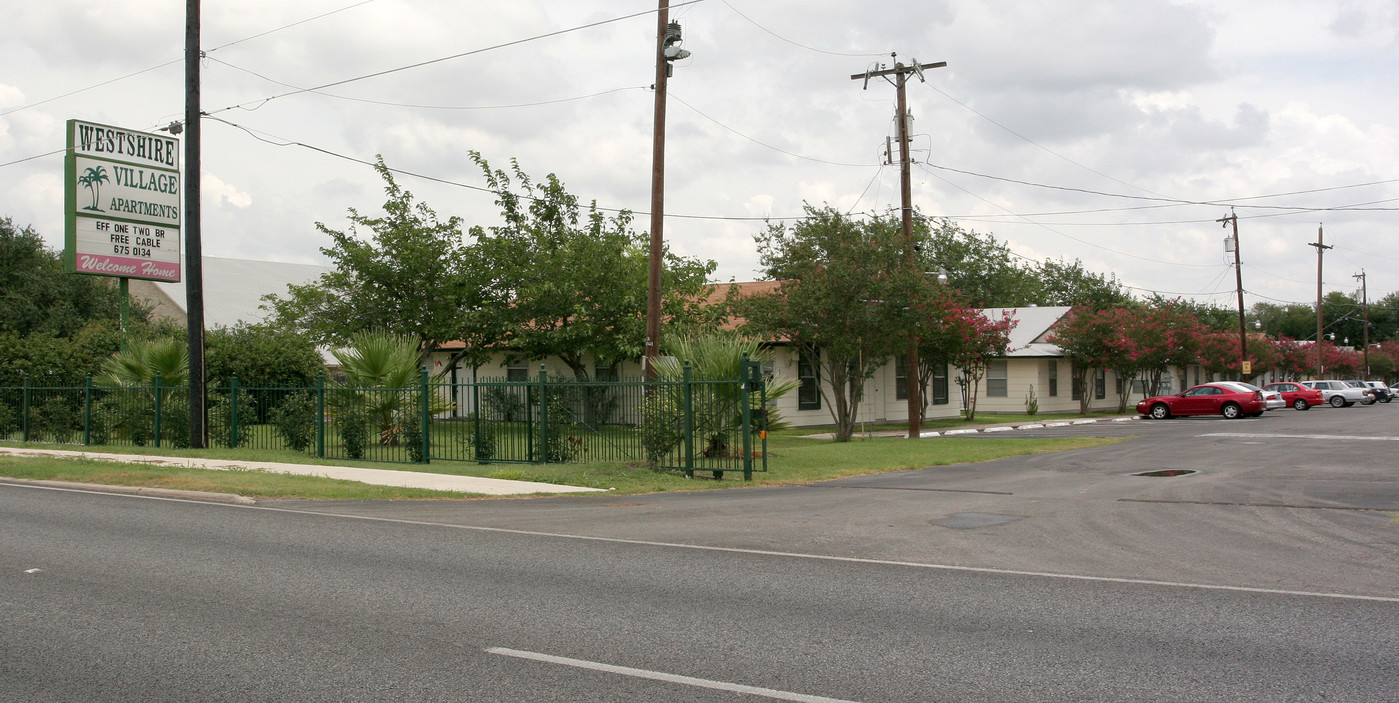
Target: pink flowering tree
[1089, 339]
[979, 341]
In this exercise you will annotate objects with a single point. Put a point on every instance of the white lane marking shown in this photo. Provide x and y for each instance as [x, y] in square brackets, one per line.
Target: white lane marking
[1295, 436]
[662, 676]
[738, 550]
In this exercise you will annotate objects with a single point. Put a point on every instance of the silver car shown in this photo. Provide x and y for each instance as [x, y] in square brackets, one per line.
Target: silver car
[1339, 394]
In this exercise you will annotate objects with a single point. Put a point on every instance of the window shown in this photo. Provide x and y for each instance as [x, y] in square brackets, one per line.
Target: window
[1076, 381]
[1100, 384]
[606, 374]
[809, 376]
[1053, 377]
[997, 383]
[901, 378]
[518, 372]
[940, 384]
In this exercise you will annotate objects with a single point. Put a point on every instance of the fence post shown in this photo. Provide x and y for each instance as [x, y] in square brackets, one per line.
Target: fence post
[543, 415]
[476, 440]
[745, 399]
[233, 411]
[24, 408]
[763, 403]
[87, 411]
[688, 395]
[320, 415]
[158, 399]
[426, 415]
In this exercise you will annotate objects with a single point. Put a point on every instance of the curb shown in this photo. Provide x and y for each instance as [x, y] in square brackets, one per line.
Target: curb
[137, 490]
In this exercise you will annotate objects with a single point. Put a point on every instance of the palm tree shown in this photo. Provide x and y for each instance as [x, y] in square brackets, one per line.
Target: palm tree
[719, 357]
[383, 370]
[136, 369]
[92, 179]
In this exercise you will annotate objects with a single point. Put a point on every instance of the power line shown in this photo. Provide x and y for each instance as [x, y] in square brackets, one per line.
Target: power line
[797, 44]
[473, 52]
[179, 60]
[759, 143]
[426, 107]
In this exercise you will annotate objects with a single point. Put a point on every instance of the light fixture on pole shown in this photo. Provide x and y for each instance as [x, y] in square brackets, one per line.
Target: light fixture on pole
[668, 40]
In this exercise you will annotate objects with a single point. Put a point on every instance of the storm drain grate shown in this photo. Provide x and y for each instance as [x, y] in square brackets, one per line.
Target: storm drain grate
[1166, 473]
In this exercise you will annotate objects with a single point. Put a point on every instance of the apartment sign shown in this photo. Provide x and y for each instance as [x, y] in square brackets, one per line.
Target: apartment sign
[122, 198]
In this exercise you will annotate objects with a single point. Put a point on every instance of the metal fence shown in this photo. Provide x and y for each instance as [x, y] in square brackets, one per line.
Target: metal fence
[690, 424]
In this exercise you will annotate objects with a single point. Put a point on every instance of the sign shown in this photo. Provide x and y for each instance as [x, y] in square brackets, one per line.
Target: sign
[122, 198]
[1248, 368]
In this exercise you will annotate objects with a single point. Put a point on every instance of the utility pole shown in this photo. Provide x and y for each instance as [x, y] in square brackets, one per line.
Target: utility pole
[667, 50]
[900, 72]
[1244, 370]
[194, 256]
[1365, 306]
[1320, 249]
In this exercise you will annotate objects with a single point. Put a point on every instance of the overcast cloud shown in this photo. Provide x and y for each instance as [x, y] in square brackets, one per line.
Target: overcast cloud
[1217, 102]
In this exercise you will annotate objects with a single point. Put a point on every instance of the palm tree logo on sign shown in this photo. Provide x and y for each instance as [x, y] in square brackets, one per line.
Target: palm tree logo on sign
[92, 179]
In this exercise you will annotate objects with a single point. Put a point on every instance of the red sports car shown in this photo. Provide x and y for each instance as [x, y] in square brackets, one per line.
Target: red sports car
[1206, 399]
[1296, 394]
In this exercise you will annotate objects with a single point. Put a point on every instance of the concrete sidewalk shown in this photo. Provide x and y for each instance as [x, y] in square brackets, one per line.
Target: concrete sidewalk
[1028, 424]
[378, 477]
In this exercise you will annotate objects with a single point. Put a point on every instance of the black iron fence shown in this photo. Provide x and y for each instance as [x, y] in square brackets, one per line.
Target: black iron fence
[688, 424]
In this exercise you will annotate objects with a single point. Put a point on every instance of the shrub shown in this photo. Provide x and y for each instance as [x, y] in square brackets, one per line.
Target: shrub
[55, 419]
[503, 403]
[221, 417]
[1032, 403]
[295, 421]
[483, 445]
[354, 433]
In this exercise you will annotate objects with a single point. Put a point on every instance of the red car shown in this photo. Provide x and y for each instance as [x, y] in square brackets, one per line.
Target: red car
[1296, 394]
[1225, 399]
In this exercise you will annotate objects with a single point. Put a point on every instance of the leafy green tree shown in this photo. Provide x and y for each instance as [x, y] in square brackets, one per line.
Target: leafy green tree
[982, 269]
[413, 275]
[262, 355]
[571, 283]
[38, 295]
[1064, 283]
[846, 291]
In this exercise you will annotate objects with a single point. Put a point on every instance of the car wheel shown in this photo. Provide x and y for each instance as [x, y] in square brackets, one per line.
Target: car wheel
[1386, 399]
[1300, 404]
[1338, 402]
[1231, 411]
[1369, 400]
[1159, 411]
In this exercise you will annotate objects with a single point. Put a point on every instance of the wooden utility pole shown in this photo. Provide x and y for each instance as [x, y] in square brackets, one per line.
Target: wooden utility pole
[900, 72]
[1365, 306]
[653, 276]
[1244, 370]
[1320, 249]
[194, 256]
[667, 51]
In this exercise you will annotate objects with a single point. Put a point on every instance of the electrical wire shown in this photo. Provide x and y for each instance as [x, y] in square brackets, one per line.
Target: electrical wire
[797, 44]
[463, 54]
[673, 96]
[427, 107]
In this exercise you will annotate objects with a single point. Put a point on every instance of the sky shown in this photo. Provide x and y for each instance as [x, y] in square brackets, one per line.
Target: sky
[1114, 133]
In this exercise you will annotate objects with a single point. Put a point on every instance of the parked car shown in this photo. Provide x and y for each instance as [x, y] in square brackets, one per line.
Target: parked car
[1339, 394]
[1382, 392]
[1272, 400]
[1296, 395]
[1226, 398]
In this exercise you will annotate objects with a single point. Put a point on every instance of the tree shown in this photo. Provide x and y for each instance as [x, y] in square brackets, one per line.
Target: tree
[1167, 336]
[38, 295]
[262, 356]
[572, 284]
[1064, 283]
[845, 291]
[982, 269]
[414, 275]
[982, 341]
[1086, 337]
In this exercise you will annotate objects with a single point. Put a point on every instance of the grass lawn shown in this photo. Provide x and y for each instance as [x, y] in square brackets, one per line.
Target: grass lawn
[792, 459]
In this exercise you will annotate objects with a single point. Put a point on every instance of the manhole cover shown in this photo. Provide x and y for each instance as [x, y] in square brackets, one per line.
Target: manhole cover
[971, 521]
[1166, 473]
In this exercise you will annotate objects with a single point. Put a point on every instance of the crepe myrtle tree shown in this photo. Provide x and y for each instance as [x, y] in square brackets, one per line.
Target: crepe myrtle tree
[982, 340]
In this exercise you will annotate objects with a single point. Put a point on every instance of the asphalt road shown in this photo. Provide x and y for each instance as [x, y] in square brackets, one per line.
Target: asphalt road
[1268, 575]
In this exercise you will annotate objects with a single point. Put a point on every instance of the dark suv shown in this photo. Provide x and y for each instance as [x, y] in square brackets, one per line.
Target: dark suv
[1382, 392]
